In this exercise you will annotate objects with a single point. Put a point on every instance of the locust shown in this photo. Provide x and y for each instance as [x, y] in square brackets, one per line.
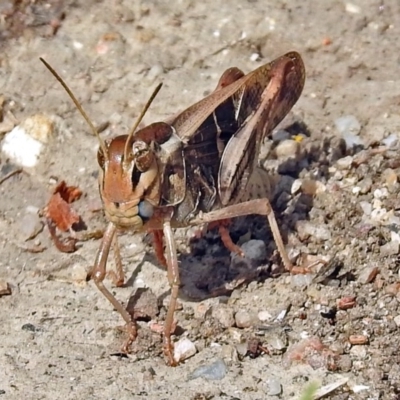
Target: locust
[197, 167]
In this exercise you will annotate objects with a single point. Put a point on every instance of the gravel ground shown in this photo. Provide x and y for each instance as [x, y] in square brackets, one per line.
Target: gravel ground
[336, 198]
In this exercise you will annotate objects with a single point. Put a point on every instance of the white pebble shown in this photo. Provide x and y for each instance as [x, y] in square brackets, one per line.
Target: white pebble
[184, 349]
[296, 186]
[359, 388]
[264, 316]
[352, 8]
[243, 319]
[359, 352]
[378, 214]
[397, 320]
[391, 140]
[21, 147]
[348, 124]
[376, 204]
[352, 140]
[394, 237]
[287, 148]
[155, 71]
[254, 57]
[79, 272]
[380, 193]
[77, 45]
[274, 387]
[366, 207]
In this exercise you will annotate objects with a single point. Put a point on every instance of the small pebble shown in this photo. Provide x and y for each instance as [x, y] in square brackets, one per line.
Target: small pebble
[280, 135]
[184, 349]
[393, 288]
[5, 289]
[377, 204]
[352, 8]
[79, 273]
[29, 327]
[389, 177]
[378, 214]
[352, 140]
[242, 349]
[345, 364]
[255, 251]
[23, 149]
[236, 334]
[380, 193]
[391, 140]
[359, 352]
[365, 185]
[244, 319]
[202, 310]
[264, 316]
[368, 274]
[274, 387]
[143, 304]
[39, 127]
[344, 163]
[154, 72]
[359, 388]
[229, 353]
[305, 229]
[389, 249]
[397, 320]
[287, 149]
[296, 186]
[223, 314]
[215, 371]
[366, 207]
[75, 270]
[276, 342]
[348, 125]
[337, 347]
[312, 187]
[301, 280]
[394, 236]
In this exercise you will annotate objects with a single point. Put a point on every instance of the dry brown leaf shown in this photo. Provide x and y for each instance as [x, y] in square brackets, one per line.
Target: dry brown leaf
[68, 193]
[61, 213]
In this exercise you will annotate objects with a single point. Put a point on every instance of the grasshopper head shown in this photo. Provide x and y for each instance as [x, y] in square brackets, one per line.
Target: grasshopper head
[129, 177]
[129, 181]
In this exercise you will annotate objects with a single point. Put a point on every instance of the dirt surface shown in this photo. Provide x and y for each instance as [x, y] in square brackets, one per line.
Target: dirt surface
[60, 336]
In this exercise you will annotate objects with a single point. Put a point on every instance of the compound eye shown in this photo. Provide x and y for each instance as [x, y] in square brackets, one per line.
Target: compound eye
[143, 155]
[146, 210]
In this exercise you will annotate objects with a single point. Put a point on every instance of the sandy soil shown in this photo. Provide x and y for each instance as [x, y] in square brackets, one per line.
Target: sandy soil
[59, 335]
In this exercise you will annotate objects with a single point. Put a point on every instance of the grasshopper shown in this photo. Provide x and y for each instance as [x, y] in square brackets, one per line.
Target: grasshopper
[198, 167]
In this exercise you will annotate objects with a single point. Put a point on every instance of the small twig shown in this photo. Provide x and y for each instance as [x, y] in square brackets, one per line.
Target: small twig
[10, 174]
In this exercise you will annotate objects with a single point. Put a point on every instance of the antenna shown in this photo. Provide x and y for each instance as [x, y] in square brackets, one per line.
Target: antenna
[139, 119]
[77, 105]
